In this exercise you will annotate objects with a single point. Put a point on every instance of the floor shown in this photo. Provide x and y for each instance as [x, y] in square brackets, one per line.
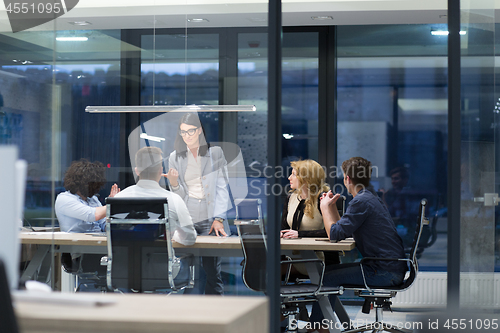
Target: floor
[412, 319]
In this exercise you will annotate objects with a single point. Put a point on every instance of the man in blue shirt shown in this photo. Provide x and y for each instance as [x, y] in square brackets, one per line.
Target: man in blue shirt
[368, 221]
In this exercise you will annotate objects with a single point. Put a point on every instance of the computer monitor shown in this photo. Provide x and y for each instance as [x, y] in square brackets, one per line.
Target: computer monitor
[12, 193]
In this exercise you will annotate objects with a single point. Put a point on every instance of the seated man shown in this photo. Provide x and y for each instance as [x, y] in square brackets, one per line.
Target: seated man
[78, 209]
[148, 161]
[368, 221]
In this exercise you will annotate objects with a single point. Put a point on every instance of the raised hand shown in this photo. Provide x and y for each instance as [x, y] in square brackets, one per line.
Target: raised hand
[172, 175]
[114, 190]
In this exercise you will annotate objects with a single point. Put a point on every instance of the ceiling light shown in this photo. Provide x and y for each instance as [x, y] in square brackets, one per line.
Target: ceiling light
[197, 20]
[80, 23]
[287, 136]
[322, 18]
[170, 108]
[445, 32]
[72, 39]
[150, 137]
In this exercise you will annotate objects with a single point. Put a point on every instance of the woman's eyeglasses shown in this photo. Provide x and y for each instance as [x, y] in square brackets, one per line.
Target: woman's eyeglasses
[189, 132]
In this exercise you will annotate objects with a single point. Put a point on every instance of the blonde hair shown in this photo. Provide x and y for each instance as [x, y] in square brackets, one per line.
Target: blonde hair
[311, 174]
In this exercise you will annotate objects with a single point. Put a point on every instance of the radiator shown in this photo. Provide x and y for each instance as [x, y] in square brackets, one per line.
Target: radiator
[429, 291]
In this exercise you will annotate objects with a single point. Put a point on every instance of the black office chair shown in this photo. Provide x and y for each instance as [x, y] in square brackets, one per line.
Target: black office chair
[341, 205]
[91, 275]
[140, 253]
[254, 243]
[380, 297]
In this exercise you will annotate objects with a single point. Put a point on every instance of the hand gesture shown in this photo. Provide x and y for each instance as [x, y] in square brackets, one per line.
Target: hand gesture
[328, 200]
[172, 175]
[114, 190]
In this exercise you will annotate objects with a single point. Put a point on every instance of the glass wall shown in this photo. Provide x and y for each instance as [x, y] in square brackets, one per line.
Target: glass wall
[392, 110]
[48, 83]
[391, 107]
[44, 104]
[479, 226]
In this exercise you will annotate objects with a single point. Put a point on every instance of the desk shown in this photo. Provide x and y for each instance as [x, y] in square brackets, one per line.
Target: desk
[146, 314]
[205, 245]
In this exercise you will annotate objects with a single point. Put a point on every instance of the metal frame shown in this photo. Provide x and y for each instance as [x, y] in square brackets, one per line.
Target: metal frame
[382, 296]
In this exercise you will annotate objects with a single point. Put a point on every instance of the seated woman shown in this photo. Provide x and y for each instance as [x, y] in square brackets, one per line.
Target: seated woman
[301, 215]
[78, 209]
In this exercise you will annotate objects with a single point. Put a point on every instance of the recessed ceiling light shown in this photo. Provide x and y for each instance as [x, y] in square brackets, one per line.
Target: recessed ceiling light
[197, 20]
[72, 39]
[80, 23]
[322, 18]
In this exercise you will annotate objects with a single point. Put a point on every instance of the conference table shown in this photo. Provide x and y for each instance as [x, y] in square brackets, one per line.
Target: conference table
[62, 242]
[115, 313]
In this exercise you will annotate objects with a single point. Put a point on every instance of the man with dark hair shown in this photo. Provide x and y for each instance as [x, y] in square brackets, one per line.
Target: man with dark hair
[78, 209]
[368, 221]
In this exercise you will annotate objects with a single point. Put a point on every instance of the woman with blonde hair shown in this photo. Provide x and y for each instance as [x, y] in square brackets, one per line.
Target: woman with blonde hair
[301, 215]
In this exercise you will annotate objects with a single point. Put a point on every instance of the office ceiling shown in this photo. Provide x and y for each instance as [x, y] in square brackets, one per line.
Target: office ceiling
[130, 14]
[107, 17]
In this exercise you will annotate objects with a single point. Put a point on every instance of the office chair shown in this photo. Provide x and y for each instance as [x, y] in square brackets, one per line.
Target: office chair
[140, 253]
[341, 205]
[254, 243]
[87, 268]
[380, 297]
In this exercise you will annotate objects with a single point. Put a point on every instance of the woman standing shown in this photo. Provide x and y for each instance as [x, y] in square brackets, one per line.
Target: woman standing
[301, 215]
[197, 174]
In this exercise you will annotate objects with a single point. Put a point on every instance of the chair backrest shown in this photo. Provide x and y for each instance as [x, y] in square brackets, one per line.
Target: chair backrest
[341, 205]
[421, 221]
[253, 242]
[140, 253]
[249, 209]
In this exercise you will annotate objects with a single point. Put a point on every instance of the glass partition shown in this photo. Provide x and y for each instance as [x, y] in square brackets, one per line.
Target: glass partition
[392, 110]
[151, 54]
[479, 225]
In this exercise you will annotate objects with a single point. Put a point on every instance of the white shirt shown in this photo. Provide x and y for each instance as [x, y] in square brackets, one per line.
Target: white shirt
[181, 225]
[193, 176]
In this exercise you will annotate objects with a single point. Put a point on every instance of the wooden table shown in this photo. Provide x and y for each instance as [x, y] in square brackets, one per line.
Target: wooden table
[143, 314]
[210, 245]
[205, 245]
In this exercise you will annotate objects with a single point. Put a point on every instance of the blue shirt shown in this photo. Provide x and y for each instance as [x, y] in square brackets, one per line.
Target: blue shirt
[368, 221]
[77, 215]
